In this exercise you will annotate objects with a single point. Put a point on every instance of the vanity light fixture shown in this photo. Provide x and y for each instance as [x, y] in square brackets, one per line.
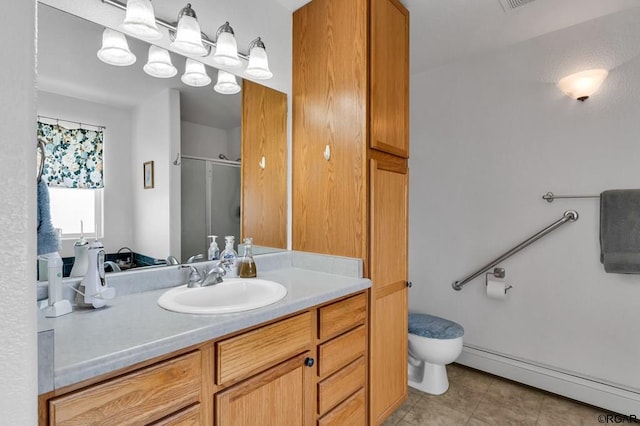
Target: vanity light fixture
[115, 49]
[140, 20]
[258, 61]
[159, 63]
[188, 37]
[582, 84]
[226, 48]
[227, 84]
[195, 74]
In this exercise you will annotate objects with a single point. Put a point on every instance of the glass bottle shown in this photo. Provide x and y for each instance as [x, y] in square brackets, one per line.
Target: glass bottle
[229, 258]
[247, 265]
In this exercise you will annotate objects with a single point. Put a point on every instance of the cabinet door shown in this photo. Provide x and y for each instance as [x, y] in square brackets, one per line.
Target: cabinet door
[280, 396]
[389, 32]
[329, 127]
[264, 165]
[388, 344]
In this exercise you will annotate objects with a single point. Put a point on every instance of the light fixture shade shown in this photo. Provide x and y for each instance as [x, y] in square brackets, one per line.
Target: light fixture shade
[583, 84]
[258, 61]
[188, 39]
[226, 48]
[140, 20]
[227, 84]
[115, 49]
[195, 74]
[159, 63]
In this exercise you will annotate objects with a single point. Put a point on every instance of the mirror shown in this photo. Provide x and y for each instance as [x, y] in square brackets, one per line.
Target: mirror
[178, 127]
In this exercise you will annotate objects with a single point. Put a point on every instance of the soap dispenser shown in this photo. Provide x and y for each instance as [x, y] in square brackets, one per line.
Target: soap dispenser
[80, 248]
[247, 265]
[214, 252]
[229, 258]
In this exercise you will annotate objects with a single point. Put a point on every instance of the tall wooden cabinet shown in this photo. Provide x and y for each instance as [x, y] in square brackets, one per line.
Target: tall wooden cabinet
[264, 165]
[350, 173]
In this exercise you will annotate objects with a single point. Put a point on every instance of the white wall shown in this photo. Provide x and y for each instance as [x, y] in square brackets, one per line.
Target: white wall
[117, 206]
[156, 137]
[235, 143]
[489, 137]
[198, 140]
[18, 360]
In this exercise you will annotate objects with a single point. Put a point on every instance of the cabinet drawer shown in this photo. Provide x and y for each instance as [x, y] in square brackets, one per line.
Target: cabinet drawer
[187, 417]
[340, 385]
[249, 353]
[351, 412]
[340, 351]
[341, 316]
[140, 397]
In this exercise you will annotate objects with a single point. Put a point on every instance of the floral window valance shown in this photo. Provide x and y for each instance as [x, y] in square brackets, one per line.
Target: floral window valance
[73, 157]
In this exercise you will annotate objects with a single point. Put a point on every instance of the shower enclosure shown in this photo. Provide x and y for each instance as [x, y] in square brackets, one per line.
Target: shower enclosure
[210, 194]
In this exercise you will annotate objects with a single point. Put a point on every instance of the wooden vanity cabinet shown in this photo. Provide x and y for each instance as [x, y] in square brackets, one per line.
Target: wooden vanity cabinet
[342, 362]
[350, 168]
[309, 368]
[140, 397]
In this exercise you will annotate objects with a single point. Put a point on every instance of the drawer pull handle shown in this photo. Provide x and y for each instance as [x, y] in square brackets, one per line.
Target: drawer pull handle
[309, 362]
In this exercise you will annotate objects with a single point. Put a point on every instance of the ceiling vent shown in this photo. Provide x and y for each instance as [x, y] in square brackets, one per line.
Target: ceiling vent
[509, 5]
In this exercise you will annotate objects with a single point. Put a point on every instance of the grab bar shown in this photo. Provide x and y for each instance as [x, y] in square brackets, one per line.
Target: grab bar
[569, 215]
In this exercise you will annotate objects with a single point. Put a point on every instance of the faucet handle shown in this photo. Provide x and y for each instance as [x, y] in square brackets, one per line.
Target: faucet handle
[194, 276]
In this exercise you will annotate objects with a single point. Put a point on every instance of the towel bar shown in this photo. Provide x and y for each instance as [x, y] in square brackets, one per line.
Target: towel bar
[569, 215]
[549, 196]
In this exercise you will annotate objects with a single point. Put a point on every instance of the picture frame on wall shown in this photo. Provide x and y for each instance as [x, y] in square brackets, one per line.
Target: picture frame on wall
[147, 174]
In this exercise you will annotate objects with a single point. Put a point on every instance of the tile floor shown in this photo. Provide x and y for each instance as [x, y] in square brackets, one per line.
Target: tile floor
[475, 398]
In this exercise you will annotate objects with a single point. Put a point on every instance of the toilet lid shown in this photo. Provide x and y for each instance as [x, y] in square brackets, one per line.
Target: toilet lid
[434, 327]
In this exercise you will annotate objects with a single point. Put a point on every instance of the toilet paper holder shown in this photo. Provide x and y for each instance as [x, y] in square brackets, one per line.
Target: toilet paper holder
[498, 273]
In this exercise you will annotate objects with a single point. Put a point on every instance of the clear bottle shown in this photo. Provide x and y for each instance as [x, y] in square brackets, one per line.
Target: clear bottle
[247, 265]
[214, 252]
[229, 258]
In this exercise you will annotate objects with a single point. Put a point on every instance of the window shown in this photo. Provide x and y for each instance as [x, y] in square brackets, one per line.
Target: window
[72, 169]
[69, 206]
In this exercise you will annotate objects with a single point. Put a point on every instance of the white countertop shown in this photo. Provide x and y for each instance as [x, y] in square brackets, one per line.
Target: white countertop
[133, 328]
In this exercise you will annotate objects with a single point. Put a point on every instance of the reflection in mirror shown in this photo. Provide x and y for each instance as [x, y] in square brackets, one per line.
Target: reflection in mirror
[146, 119]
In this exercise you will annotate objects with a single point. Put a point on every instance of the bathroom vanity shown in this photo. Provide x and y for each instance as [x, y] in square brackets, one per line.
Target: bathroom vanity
[302, 360]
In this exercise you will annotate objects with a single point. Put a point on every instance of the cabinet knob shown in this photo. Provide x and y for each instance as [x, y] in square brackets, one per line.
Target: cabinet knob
[309, 362]
[409, 284]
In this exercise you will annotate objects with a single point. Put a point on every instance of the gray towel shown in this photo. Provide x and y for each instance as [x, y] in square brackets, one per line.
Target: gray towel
[47, 235]
[620, 231]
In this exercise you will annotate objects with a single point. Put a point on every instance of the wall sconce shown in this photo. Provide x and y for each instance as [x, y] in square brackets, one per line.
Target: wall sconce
[188, 37]
[159, 63]
[258, 61]
[140, 20]
[226, 48]
[195, 74]
[582, 84]
[227, 84]
[115, 49]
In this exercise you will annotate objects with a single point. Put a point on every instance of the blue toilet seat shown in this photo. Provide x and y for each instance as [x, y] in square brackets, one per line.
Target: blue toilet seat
[433, 327]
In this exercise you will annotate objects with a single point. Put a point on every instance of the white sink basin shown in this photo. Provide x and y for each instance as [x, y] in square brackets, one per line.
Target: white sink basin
[232, 295]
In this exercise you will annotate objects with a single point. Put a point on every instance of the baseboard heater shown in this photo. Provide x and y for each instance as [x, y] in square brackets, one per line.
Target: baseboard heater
[587, 390]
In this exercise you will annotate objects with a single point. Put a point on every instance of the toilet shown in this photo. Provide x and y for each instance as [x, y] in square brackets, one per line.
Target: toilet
[434, 342]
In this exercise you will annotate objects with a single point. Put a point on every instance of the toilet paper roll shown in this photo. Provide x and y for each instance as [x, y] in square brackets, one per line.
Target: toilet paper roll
[496, 289]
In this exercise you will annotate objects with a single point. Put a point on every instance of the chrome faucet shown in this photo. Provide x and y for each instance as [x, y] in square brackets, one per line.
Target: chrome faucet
[211, 277]
[114, 266]
[194, 258]
[172, 260]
